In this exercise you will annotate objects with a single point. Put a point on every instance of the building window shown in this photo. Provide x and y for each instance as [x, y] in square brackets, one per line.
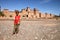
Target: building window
[26, 15]
[23, 16]
[10, 15]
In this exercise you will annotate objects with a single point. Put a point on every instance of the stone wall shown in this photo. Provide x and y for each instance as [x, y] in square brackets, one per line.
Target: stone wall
[27, 13]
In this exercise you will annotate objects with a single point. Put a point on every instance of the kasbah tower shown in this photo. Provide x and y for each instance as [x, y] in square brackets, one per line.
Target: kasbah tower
[27, 13]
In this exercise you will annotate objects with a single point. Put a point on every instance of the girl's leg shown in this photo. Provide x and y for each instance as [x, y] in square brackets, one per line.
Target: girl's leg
[17, 29]
[14, 30]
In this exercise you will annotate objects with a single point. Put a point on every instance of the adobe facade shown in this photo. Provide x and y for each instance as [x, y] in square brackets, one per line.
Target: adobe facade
[27, 13]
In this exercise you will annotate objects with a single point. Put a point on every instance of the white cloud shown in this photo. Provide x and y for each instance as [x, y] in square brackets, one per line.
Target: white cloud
[44, 1]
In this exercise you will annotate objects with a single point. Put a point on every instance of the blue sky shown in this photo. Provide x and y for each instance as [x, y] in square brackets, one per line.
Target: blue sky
[49, 6]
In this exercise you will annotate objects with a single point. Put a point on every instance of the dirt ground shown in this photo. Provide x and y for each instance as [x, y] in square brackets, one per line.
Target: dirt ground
[44, 29]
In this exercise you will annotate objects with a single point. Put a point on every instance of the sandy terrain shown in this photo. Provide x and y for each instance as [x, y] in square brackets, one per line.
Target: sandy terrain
[44, 29]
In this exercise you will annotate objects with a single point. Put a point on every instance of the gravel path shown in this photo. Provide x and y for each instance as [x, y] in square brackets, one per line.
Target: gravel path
[31, 30]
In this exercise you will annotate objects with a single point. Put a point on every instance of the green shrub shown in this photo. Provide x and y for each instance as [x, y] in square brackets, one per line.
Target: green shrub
[1, 14]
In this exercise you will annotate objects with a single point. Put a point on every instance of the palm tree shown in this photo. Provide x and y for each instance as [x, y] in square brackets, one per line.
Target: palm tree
[39, 14]
[50, 14]
[45, 15]
[0, 8]
[34, 11]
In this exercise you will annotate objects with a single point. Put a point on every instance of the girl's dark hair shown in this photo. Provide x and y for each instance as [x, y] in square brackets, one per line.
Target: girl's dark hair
[16, 11]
